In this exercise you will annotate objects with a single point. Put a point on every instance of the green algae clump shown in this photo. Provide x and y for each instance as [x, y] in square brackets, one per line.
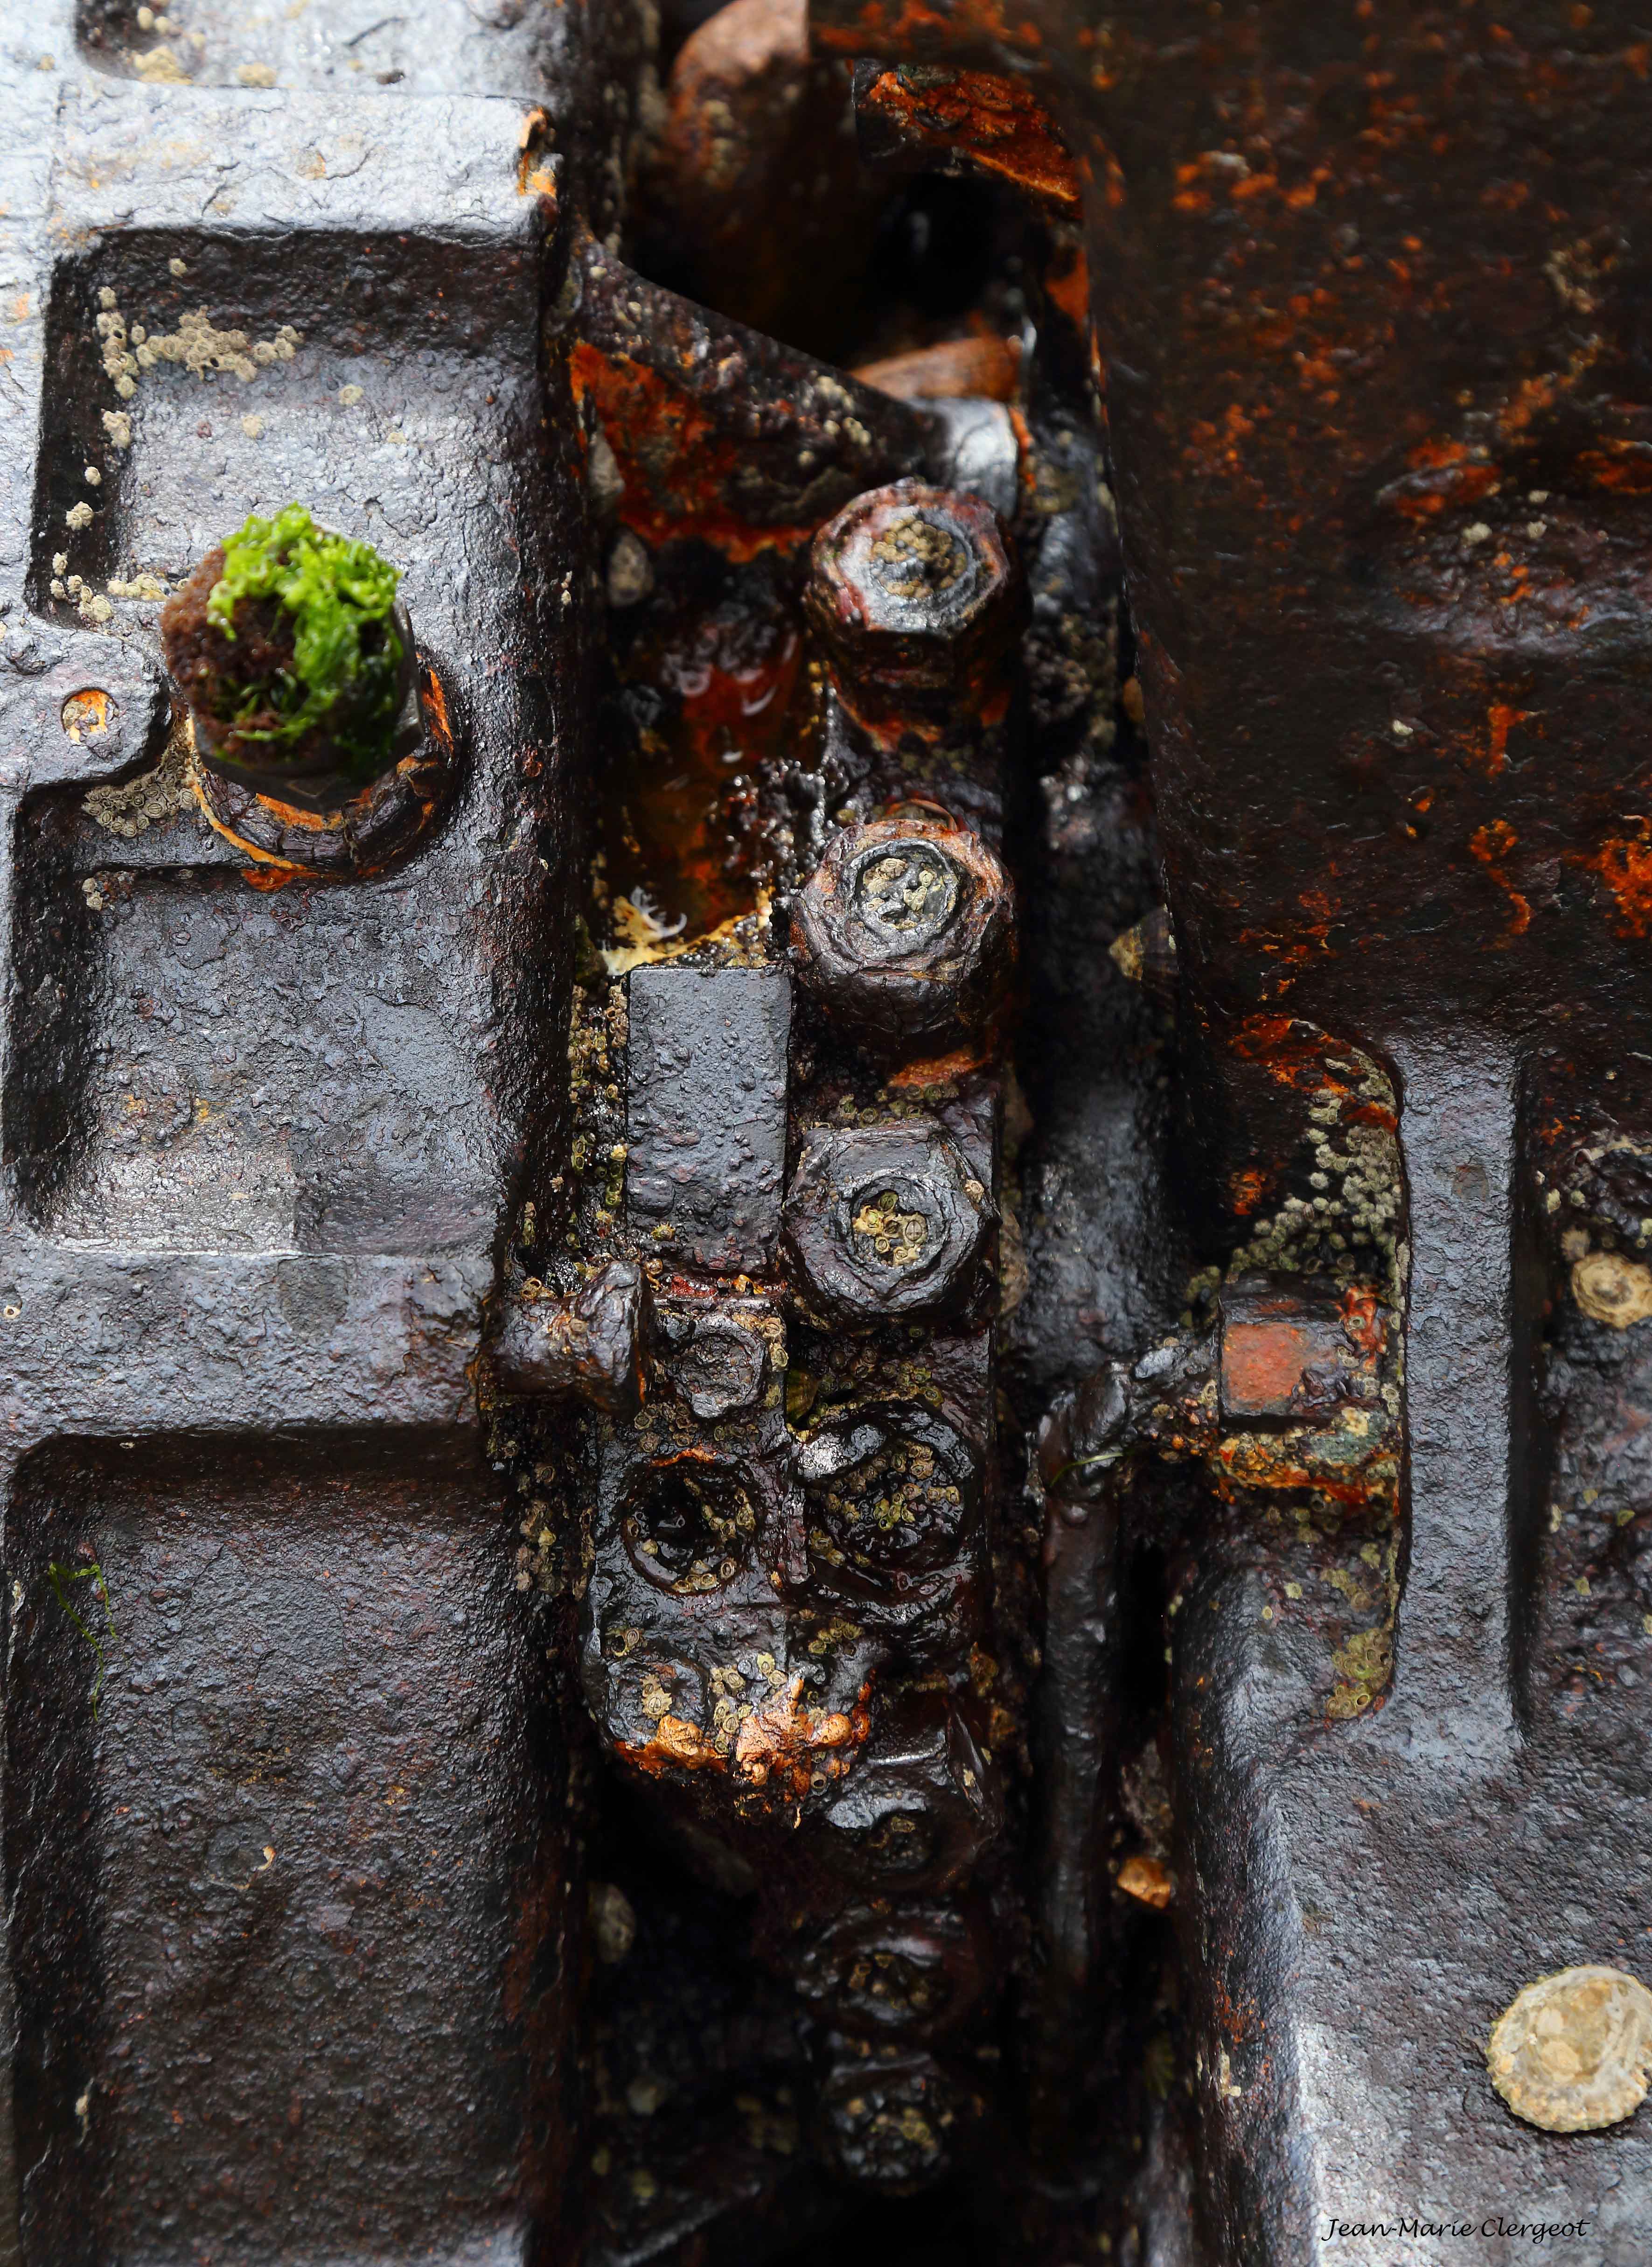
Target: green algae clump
[334, 587]
[285, 641]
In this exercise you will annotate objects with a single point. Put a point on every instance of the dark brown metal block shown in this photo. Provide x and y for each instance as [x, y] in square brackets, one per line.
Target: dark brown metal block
[706, 1112]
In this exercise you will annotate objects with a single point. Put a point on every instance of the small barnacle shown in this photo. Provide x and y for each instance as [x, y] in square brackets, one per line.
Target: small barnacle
[1612, 1290]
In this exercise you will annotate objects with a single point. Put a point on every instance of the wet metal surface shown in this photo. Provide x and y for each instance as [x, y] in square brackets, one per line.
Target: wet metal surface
[797, 1451]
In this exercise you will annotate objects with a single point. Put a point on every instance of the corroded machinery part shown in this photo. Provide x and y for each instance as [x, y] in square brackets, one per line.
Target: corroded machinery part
[894, 2119]
[593, 1344]
[917, 593]
[918, 1968]
[885, 1221]
[905, 932]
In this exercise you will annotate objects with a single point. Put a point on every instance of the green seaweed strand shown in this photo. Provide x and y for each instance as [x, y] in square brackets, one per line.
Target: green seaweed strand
[59, 1575]
[332, 588]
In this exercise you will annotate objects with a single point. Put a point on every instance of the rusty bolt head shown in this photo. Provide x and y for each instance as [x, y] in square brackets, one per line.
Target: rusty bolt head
[719, 1359]
[923, 1478]
[906, 931]
[689, 1522]
[1288, 1354]
[919, 1969]
[590, 1346]
[885, 1220]
[923, 1804]
[895, 2125]
[916, 591]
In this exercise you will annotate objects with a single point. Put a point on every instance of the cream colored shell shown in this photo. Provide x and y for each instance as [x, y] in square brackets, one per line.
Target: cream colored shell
[1574, 2051]
[1612, 1290]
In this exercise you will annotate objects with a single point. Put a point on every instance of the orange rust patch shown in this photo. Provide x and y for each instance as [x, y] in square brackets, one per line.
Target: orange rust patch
[784, 1743]
[1145, 1880]
[1624, 862]
[1263, 1362]
[1442, 472]
[1501, 719]
[1365, 1319]
[87, 715]
[911, 27]
[1530, 398]
[1623, 467]
[534, 176]
[675, 1745]
[678, 470]
[1269, 1463]
[985, 365]
[436, 700]
[996, 125]
[1245, 1191]
[780, 1747]
[1067, 281]
[939, 1068]
[1491, 845]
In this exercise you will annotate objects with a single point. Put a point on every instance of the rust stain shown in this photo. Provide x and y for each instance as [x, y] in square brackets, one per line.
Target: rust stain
[1443, 473]
[1501, 719]
[1365, 1320]
[679, 471]
[784, 1741]
[677, 1744]
[1491, 845]
[939, 1070]
[781, 1746]
[911, 27]
[436, 706]
[1285, 1463]
[534, 177]
[1623, 467]
[1067, 281]
[1263, 1362]
[984, 364]
[1245, 1190]
[1624, 862]
[87, 715]
[996, 125]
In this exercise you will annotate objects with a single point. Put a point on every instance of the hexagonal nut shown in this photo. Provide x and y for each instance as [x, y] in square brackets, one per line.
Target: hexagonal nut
[922, 1806]
[895, 2125]
[884, 1221]
[918, 1968]
[906, 932]
[924, 1480]
[916, 591]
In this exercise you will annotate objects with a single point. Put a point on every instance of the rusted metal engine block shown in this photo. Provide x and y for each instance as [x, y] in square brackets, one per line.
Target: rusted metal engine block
[838, 1439]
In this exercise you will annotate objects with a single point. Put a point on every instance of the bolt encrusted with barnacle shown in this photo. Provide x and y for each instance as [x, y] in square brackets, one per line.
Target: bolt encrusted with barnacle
[917, 593]
[885, 1220]
[905, 932]
[293, 656]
